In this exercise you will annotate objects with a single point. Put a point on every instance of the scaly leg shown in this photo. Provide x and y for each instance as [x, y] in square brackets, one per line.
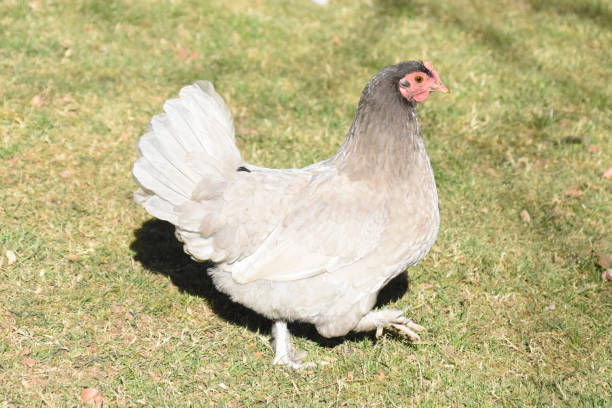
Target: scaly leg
[283, 350]
[379, 319]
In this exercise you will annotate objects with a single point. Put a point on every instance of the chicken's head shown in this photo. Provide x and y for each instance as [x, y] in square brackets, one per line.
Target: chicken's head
[419, 82]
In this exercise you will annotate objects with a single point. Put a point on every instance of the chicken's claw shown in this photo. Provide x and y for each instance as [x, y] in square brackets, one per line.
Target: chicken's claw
[379, 319]
[408, 327]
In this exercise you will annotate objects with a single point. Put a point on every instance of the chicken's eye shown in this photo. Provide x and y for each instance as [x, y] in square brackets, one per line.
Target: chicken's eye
[418, 79]
[404, 83]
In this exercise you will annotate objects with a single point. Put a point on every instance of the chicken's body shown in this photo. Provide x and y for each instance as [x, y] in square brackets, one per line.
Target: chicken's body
[313, 244]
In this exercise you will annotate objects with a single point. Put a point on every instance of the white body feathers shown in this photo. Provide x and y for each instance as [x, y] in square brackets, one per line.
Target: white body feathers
[313, 244]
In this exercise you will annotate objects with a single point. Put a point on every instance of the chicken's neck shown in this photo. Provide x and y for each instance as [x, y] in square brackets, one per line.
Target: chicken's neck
[384, 143]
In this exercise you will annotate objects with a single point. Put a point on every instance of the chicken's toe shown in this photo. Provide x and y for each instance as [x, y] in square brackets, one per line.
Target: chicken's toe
[291, 362]
[409, 328]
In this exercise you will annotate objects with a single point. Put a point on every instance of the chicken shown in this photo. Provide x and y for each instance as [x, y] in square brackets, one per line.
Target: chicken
[315, 244]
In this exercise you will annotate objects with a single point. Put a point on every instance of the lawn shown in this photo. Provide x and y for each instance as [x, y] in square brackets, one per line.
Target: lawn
[96, 294]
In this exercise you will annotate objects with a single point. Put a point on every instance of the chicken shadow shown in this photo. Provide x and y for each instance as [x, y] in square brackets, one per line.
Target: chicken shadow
[158, 251]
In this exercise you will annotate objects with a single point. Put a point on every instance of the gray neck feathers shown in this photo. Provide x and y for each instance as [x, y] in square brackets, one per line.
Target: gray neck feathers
[384, 136]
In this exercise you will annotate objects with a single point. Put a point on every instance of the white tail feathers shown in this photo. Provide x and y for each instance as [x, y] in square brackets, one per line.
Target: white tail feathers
[191, 142]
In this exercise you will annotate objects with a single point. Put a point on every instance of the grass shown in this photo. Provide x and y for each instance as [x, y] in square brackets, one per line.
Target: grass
[100, 296]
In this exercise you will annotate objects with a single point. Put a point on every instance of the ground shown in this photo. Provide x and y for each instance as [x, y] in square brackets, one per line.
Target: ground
[95, 294]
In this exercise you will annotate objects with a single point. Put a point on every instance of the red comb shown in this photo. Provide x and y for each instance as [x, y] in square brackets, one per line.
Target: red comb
[430, 67]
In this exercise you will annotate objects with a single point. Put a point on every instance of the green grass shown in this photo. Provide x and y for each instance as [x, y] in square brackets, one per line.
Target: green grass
[102, 297]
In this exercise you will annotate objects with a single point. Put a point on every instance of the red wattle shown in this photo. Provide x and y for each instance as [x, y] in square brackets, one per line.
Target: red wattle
[420, 97]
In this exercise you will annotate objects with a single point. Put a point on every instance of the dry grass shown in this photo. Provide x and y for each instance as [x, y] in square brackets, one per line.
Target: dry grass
[99, 296]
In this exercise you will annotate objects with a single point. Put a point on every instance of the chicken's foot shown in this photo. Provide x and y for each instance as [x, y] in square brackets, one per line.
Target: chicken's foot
[380, 319]
[284, 354]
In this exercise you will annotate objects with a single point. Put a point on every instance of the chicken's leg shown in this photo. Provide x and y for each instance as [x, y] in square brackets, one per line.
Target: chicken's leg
[379, 319]
[283, 350]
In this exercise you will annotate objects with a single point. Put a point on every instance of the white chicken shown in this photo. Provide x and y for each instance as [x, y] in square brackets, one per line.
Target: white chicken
[314, 244]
